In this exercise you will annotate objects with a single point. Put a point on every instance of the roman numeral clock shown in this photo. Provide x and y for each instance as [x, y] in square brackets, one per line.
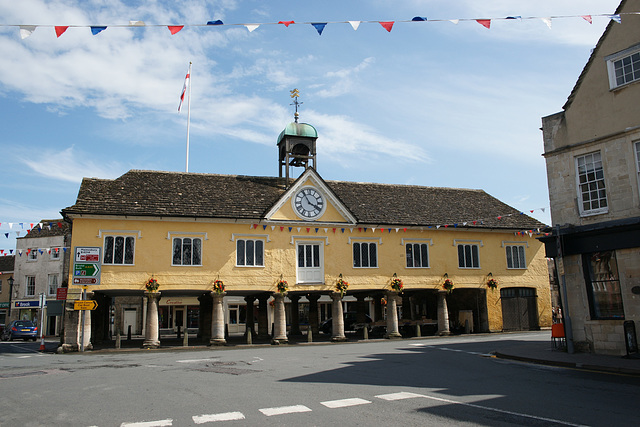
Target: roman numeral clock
[308, 203]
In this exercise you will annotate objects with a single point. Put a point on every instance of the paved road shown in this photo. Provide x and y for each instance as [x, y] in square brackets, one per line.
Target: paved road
[437, 381]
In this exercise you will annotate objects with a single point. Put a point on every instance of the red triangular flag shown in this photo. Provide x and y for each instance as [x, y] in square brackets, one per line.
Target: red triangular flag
[60, 30]
[175, 28]
[484, 22]
[286, 23]
[388, 25]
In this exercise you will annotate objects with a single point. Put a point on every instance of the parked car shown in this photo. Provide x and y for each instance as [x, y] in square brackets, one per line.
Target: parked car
[350, 323]
[25, 329]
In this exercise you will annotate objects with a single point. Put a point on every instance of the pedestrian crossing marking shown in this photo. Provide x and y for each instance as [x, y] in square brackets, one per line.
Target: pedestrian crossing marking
[227, 416]
[284, 410]
[343, 403]
[399, 396]
[159, 423]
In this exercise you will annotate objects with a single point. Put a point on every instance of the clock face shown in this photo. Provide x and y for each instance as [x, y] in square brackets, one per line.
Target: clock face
[308, 203]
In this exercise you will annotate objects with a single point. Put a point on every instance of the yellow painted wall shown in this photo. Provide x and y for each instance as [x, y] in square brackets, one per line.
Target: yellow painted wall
[153, 255]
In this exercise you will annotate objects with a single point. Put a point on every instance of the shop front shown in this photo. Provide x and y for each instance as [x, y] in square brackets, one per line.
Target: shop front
[178, 313]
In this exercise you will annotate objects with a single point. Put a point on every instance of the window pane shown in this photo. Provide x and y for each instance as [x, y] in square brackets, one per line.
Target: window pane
[240, 252]
[467, 255]
[307, 256]
[250, 251]
[521, 257]
[509, 258]
[186, 251]
[118, 255]
[177, 251]
[365, 254]
[409, 255]
[356, 255]
[604, 286]
[461, 256]
[425, 255]
[316, 255]
[259, 252]
[475, 258]
[373, 255]
[197, 251]
[128, 254]
[108, 250]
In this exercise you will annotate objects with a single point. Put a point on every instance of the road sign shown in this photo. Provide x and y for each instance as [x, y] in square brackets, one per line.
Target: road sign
[86, 266]
[61, 293]
[87, 254]
[85, 304]
[91, 270]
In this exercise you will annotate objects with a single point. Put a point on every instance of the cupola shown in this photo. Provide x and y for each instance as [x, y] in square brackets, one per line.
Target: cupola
[296, 143]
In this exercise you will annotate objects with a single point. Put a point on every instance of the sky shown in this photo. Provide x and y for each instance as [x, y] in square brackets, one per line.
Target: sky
[431, 103]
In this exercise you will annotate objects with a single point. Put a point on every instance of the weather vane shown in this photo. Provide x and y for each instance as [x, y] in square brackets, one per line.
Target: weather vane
[295, 94]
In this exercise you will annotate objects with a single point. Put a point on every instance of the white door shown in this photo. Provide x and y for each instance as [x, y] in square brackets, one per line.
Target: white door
[310, 262]
[130, 317]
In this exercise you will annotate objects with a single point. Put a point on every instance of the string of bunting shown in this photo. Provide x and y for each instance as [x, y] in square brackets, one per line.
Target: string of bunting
[27, 30]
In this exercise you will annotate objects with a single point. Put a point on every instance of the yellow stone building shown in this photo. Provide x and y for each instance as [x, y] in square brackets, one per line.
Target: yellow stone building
[189, 230]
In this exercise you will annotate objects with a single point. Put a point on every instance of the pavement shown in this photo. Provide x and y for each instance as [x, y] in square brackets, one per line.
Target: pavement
[535, 351]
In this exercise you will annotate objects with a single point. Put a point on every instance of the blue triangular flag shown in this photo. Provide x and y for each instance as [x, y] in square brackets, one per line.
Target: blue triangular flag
[419, 18]
[216, 22]
[96, 30]
[319, 26]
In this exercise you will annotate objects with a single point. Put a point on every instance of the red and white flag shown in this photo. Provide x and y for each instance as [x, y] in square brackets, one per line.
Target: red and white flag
[184, 88]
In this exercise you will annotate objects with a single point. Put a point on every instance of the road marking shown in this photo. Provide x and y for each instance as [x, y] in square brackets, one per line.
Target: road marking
[343, 403]
[197, 360]
[227, 416]
[502, 411]
[284, 410]
[418, 344]
[159, 423]
[399, 396]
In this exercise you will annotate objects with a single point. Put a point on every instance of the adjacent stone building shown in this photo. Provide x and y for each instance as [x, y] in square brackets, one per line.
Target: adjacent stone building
[592, 152]
[257, 236]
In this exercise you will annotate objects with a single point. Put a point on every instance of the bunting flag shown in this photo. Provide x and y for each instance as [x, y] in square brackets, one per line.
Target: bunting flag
[27, 30]
[387, 25]
[60, 30]
[319, 26]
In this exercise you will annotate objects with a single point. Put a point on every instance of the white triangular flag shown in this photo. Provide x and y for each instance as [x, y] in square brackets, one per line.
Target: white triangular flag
[26, 30]
[547, 21]
[251, 27]
[455, 21]
[137, 23]
[355, 24]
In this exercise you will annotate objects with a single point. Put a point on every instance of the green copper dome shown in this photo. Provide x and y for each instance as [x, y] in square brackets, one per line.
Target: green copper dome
[298, 129]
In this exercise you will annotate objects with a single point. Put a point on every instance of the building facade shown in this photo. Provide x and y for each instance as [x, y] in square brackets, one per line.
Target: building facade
[41, 267]
[6, 284]
[592, 152]
[194, 233]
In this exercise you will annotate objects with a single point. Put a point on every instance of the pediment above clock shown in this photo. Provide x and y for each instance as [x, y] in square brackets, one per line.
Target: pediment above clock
[310, 199]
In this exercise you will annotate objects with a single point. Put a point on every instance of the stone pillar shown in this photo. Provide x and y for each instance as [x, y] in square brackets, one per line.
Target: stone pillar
[337, 318]
[250, 324]
[263, 317]
[73, 329]
[443, 314]
[313, 313]
[144, 317]
[152, 325]
[280, 321]
[392, 315]
[295, 315]
[217, 319]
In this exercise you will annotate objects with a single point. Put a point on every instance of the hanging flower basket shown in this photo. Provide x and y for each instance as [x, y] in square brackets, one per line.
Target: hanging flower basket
[218, 286]
[152, 285]
[282, 286]
[448, 285]
[492, 284]
[396, 283]
[341, 286]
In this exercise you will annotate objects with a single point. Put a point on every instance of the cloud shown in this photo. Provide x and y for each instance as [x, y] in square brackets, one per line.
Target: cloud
[341, 82]
[70, 165]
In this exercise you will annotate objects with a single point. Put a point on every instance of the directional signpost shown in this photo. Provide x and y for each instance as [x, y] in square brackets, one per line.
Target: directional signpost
[86, 271]
[85, 304]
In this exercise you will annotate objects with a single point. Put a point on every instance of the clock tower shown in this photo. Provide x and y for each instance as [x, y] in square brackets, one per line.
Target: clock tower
[296, 143]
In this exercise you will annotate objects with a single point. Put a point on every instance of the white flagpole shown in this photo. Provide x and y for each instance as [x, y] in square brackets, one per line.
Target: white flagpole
[188, 118]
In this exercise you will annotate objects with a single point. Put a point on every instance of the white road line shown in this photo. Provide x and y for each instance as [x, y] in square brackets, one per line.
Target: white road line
[399, 396]
[209, 359]
[159, 423]
[502, 411]
[284, 410]
[343, 403]
[227, 416]
[418, 344]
